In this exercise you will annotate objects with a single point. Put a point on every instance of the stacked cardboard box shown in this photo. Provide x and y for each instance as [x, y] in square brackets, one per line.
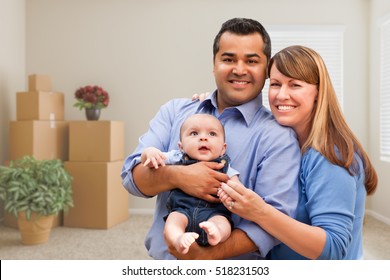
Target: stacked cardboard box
[39, 129]
[96, 152]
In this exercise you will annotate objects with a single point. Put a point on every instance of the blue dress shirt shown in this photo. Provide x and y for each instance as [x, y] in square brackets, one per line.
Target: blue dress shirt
[266, 155]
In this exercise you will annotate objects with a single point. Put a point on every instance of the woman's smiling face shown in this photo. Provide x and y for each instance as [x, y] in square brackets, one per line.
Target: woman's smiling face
[292, 102]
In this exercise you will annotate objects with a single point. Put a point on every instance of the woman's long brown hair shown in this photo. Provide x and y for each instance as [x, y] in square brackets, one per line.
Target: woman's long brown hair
[328, 128]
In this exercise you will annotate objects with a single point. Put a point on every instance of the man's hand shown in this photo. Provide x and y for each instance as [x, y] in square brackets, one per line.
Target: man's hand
[201, 180]
[237, 244]
[196, 252]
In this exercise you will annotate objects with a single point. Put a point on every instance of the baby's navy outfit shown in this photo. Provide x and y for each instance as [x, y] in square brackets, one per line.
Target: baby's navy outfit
[195, 209]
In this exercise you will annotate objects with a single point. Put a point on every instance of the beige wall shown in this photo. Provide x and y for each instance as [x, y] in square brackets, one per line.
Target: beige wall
[147, 52]
[379, 203]
[12, 65]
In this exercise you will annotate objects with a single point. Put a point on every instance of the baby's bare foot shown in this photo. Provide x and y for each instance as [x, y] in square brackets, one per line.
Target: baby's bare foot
[213, 233]
[184, 242]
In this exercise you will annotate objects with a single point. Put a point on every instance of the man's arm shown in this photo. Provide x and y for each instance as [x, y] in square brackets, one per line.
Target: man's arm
[237, 244]
[199, 179]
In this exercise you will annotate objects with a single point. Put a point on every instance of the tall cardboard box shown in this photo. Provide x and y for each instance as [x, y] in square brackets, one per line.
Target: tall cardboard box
[39, 82]
[100, 201]
[40, 105]
[96, 141]
[40, 139]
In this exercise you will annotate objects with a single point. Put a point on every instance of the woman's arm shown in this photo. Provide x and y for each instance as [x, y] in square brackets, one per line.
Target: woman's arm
[306, 240]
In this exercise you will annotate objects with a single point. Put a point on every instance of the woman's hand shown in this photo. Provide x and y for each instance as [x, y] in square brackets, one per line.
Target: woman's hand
[242, 201]
[200, 96]
[250, 206]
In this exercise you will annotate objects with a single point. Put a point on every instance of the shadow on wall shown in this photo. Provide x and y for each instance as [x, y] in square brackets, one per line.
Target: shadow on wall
[4, 124]
[4, 116]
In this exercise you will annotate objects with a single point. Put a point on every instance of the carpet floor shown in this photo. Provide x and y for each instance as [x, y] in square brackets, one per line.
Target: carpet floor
[126, 242]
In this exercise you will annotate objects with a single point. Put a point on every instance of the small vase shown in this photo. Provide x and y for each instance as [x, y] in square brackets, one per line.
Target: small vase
[92, 114]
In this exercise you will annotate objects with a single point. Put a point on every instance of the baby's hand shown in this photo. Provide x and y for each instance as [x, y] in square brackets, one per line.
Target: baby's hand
[201, 96]
[153, 158]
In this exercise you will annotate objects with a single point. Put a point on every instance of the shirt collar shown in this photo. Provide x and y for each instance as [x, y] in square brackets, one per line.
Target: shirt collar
[248, 110]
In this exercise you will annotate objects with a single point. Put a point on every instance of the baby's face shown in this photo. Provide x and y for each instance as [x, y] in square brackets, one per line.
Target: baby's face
[202, 138]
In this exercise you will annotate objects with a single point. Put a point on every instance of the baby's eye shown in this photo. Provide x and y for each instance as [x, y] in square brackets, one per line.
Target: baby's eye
[194, 133]
[213, 134]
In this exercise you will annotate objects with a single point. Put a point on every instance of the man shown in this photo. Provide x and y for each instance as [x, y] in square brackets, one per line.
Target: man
[266, 154]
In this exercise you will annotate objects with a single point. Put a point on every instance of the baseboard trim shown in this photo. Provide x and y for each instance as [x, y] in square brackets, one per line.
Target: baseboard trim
[141, 211]
[148, 211]
[378, 216]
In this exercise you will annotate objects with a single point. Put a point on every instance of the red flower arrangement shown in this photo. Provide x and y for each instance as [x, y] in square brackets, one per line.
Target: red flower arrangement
[91, 97]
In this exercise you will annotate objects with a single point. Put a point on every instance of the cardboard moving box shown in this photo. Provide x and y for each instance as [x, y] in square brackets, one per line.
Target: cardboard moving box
[40, 139]
[96, 141]
[39, 82]
[100, 200]
[40, 105]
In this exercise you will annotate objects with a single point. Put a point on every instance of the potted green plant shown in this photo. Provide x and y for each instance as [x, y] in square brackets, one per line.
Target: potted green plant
[33, 190]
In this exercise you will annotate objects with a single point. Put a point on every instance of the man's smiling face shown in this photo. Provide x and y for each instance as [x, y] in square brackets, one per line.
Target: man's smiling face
[239, 69]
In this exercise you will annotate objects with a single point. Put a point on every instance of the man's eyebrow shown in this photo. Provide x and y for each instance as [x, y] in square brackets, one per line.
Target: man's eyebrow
[252, 55]
[227, 54]
[247, 55]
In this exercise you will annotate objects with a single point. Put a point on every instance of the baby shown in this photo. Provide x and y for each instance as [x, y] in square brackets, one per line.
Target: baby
[190, 219]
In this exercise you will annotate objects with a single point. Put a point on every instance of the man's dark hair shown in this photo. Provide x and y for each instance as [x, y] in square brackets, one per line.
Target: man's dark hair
[244, 26]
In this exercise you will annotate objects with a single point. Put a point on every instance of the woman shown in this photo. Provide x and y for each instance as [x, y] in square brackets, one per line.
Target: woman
[336, 173]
